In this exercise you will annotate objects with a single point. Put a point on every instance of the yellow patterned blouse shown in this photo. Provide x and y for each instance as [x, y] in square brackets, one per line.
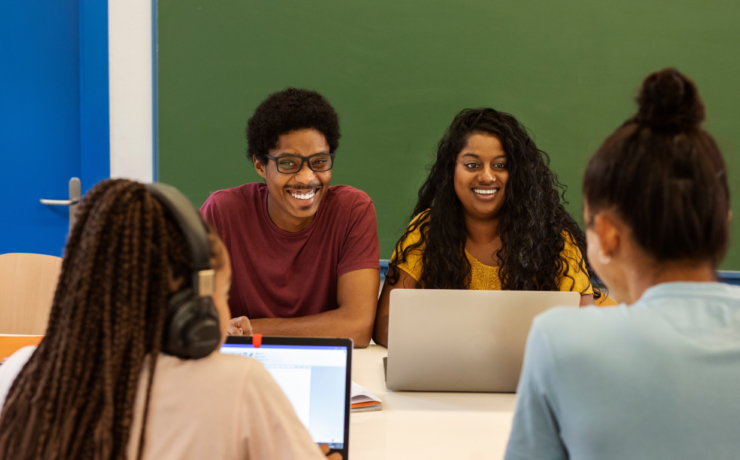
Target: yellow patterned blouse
[484, 277]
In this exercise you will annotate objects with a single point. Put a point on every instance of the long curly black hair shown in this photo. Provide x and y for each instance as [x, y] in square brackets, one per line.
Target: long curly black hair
[533, 224]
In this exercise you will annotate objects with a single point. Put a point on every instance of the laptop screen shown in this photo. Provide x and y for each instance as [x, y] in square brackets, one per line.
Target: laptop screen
[313, 377]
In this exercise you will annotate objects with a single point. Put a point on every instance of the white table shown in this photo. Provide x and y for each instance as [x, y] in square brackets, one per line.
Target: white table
[414, 425]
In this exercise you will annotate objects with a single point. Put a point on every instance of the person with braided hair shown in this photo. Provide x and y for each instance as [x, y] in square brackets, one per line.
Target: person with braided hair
[656, 377]
[490, 216]
[98, 386]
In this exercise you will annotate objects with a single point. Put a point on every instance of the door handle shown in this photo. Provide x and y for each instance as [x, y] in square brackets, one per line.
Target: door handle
[58, 202]
[75, 194]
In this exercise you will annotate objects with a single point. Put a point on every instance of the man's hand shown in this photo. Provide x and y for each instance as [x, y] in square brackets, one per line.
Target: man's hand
[357, 295]
[325, 450]
[240, 326]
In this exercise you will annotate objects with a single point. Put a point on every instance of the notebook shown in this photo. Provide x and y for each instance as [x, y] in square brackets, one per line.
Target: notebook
[315, 375]
[364, 400]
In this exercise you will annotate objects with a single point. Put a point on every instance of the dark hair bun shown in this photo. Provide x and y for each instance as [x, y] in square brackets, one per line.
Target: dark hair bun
[670, 102]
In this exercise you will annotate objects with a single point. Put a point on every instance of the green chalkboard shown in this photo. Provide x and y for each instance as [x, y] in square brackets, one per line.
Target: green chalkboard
[397, 71]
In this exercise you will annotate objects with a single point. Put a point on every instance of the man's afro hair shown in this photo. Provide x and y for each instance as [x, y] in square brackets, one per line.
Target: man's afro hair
[290, 110]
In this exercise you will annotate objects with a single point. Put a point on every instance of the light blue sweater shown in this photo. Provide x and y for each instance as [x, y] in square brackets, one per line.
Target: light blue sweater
[656, 380]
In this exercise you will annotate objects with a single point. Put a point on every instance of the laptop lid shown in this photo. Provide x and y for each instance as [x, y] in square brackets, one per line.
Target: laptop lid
[315, 375]
[458, 340]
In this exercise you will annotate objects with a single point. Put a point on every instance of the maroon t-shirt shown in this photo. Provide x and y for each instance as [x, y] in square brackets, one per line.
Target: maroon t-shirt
[279, 274]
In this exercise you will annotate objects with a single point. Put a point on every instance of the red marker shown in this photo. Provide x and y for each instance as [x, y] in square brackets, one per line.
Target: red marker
[256, 340]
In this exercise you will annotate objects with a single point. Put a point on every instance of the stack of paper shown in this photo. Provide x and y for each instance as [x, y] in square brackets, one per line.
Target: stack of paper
[363, 400]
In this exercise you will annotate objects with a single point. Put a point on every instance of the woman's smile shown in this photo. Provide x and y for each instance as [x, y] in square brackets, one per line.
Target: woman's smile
[486, 194]
[480, 176]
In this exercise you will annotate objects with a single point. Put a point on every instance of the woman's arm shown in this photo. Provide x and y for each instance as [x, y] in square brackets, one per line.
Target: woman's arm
[380, 333]
[587, 300]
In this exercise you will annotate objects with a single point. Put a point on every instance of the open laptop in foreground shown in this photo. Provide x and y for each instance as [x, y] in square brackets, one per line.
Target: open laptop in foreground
[458, 340]
[315, 375]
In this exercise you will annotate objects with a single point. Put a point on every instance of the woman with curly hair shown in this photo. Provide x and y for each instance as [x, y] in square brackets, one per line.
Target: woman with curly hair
[489, 216]
[105, 384]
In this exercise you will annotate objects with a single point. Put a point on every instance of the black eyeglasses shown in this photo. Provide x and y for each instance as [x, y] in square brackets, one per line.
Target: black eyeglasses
[289, 164]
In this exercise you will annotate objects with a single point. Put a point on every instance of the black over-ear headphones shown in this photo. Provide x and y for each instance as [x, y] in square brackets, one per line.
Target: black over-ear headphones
[192, 326]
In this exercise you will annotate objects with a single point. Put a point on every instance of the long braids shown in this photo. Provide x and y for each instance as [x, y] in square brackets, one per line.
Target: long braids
[74, 399]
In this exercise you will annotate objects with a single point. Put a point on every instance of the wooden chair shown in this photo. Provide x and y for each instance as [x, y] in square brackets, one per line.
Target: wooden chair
[27, 285]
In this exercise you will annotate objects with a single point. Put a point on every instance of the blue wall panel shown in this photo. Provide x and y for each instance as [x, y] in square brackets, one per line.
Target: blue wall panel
[54, 115]
[94, 91]
[39, 121]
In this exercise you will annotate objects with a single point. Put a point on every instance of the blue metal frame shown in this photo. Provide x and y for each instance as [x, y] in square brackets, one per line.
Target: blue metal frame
[729, 277]
[383, 269]
[94, 93]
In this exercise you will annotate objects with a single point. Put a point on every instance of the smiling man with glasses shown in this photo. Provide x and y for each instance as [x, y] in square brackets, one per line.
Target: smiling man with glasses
[304, 253]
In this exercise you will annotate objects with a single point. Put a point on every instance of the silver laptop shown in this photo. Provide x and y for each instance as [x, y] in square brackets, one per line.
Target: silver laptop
[455, 340]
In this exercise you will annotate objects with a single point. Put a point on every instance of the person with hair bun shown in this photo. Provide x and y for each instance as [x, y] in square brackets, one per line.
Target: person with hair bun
[656, 377]
[490, 216]
[101, 384]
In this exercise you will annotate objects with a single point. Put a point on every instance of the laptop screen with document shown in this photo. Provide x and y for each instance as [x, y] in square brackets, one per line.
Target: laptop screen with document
[315, 376]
